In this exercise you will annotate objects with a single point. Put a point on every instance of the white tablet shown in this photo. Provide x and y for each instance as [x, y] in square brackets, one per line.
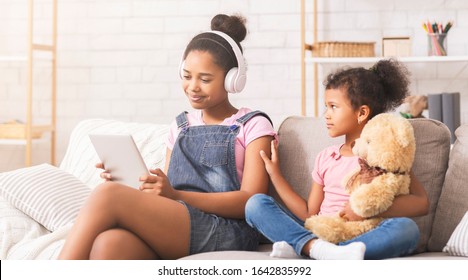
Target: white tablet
[120, 157]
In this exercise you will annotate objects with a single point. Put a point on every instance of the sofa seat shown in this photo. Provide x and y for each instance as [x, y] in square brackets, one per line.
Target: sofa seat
[264, 251]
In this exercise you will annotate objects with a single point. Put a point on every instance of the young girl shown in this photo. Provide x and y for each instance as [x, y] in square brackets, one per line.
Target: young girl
[352, 97]
[213, 167]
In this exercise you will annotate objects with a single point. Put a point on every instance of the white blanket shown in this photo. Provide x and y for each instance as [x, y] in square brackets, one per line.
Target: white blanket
[22, 237]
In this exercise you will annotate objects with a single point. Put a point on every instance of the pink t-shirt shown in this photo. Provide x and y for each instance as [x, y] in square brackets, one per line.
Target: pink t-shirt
[329, 170]
[256, 127]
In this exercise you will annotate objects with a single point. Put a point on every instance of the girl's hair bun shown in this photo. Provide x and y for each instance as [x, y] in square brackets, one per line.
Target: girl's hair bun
[394, 77]
[234, 26]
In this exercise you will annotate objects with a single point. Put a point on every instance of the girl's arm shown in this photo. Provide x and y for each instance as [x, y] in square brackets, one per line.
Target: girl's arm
[414, 204]
[224, 204]
[293, 201]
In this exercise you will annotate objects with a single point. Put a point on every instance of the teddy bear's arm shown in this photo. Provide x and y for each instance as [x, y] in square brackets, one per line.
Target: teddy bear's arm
[376, 197]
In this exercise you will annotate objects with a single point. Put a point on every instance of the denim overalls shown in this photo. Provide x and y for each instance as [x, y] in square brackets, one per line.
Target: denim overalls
[203, 160]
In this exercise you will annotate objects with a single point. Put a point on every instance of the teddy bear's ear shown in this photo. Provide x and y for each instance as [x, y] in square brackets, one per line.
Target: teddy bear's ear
[403, 132]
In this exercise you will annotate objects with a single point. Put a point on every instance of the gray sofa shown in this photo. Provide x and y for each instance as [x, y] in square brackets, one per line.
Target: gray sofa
[442, 170]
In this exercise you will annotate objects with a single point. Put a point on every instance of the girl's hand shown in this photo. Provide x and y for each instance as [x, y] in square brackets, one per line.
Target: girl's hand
[271, 165]
[348, 214]
[158, 184]
[105, 174]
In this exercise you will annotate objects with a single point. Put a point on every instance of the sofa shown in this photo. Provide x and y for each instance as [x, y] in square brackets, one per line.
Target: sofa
[439, 166]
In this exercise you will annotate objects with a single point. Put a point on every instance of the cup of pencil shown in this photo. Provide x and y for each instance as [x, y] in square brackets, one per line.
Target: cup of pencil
[437, 38]
[437, 44]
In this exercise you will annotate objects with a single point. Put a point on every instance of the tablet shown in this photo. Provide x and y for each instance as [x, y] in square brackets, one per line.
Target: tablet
[120, 157]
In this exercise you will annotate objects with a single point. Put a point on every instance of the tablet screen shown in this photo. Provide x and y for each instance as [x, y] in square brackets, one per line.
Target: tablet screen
[120, 157]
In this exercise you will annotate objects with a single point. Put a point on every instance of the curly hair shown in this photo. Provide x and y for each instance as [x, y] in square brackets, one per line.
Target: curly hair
[382, 87]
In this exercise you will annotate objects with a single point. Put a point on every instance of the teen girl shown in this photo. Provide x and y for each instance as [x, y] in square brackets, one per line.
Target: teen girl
[213, 167]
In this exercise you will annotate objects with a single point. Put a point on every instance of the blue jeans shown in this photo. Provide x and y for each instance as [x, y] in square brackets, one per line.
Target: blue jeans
[394, 237]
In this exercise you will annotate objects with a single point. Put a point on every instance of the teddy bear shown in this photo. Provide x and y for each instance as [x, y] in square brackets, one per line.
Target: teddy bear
[386, 150]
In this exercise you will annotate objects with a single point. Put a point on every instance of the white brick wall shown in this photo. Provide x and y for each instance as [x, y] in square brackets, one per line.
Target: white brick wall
[119, 58]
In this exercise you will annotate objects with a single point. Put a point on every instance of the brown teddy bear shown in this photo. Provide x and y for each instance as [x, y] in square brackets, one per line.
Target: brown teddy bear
[386, 151]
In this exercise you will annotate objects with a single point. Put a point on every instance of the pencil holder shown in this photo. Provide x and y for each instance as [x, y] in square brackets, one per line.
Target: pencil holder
[437, 44]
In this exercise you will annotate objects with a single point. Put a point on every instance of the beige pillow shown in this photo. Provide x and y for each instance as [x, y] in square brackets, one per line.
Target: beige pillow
[46, 193]
[453, 202]
[430, 165]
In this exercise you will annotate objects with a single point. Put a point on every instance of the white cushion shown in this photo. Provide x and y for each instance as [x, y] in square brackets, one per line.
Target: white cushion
[458, 242]
[47, 194]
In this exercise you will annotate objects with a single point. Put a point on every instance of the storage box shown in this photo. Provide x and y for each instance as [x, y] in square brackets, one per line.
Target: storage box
[343, 49]
[396, 46]
[16, 131]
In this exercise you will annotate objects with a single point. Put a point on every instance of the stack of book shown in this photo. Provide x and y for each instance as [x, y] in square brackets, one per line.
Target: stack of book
[445, 107]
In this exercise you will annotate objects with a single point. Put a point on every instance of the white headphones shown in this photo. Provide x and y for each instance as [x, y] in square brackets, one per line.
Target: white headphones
[235, 79]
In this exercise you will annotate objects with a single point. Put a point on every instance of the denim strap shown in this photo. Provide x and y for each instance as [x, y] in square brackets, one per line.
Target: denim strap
[245, 118]
[182, 121]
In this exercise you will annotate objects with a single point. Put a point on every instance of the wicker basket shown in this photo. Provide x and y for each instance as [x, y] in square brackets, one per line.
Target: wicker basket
[15, 131]
[343, 49]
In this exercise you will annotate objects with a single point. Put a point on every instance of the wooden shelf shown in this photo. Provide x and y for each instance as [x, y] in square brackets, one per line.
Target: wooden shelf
[21, 142]
[43, 128]
[410, 59]
[35, 129]
[46, 53]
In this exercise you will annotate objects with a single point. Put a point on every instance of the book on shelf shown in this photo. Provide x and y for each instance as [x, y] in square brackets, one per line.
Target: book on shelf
[445, 107]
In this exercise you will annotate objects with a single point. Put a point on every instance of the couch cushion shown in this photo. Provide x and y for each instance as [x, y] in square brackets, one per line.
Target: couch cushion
[47, 194]
[300, 140]
[430, 165]
[453, 202]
